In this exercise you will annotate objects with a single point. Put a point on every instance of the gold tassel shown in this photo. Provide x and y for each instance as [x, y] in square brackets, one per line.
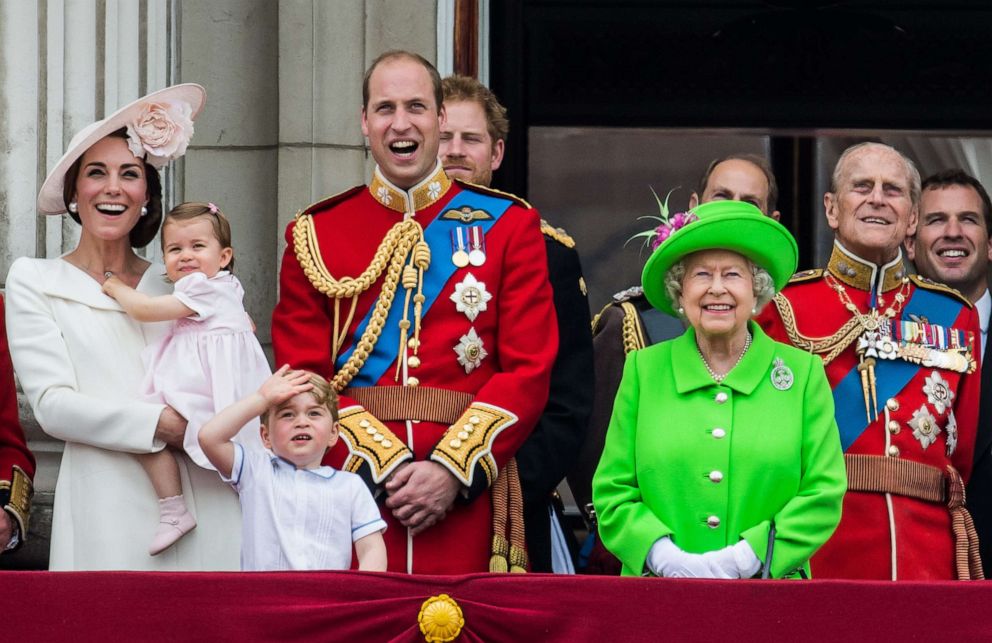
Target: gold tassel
[498, 562]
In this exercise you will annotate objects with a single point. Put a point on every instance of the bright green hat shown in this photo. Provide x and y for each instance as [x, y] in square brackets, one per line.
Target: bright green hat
[722, 225]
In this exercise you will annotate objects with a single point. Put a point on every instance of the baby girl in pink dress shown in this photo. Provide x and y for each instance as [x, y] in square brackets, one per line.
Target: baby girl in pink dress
[208, 361]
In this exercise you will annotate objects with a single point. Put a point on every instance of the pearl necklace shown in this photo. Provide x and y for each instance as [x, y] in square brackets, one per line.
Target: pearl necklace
[719, 378]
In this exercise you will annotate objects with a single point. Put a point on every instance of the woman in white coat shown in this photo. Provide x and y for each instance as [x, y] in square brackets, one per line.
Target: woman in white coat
[78, 354]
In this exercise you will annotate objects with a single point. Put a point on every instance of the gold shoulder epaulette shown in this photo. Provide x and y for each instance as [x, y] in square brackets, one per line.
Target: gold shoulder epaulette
[558, 234]
[806, 275]
[328, 201]
[930, 284]
[493, 192]
[630, 327]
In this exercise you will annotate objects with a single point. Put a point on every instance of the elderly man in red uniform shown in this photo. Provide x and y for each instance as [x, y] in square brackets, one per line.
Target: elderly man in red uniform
[900, 353]
[427, 304]
[16, 462]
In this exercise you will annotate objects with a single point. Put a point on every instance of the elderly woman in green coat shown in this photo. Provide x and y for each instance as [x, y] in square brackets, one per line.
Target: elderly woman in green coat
[722, 455]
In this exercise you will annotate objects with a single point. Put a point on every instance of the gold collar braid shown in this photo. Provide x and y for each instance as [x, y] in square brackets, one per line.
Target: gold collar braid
[402, 252]
[422, 195]
[852, 270]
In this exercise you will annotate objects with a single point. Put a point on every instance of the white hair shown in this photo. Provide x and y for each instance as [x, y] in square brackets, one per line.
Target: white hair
[761, 284]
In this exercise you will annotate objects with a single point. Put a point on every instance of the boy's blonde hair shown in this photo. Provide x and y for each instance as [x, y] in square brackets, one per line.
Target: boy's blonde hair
[323, 393]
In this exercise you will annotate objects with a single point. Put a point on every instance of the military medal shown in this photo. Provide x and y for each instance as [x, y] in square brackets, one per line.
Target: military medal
[477, 255]
[952, 433]
[470, 297]
[939, 393]
[934, 346]
[925, 427]
[781, 375]
[459, 256]
[470, 350]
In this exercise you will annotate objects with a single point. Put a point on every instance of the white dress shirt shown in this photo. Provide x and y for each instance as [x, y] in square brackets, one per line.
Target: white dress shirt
[299, 518]
[984, 307]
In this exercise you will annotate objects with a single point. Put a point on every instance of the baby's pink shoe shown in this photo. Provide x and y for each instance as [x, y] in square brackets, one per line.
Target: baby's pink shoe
[173, 523]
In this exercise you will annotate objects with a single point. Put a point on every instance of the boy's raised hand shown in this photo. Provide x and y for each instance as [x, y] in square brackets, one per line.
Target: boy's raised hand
[284, 384]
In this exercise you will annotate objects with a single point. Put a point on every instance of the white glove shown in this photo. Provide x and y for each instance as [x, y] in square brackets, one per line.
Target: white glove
[747, 561]
[734, 561]
[667, 559]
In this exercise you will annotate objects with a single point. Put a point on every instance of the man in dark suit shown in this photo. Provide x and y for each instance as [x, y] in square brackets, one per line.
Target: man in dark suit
[473, 140]
[952, 246]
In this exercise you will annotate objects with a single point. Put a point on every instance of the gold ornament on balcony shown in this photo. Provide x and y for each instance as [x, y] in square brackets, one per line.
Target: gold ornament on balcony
[440, 619]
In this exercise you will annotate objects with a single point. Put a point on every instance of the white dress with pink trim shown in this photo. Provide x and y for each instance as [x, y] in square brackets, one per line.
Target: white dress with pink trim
[209, 360]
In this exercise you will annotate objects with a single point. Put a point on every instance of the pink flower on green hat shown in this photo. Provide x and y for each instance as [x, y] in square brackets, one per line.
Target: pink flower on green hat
[666, 228]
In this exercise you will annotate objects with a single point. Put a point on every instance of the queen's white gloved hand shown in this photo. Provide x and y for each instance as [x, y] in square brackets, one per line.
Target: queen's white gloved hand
[667, 559]
[734, 561]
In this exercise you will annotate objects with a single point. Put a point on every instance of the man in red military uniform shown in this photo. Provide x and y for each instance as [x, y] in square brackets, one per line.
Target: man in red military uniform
[427, 304]
[16, 462]
[900, 353]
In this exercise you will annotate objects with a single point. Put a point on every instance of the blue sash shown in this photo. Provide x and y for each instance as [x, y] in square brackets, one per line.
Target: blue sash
[891, 376]
[437, 234]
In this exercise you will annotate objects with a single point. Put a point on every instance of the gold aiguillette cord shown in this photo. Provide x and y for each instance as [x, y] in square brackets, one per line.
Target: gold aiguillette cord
[867, 370]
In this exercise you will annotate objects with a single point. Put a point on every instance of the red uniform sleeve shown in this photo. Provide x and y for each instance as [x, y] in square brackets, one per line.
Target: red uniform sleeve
[13, 447]
[967, 400]
[17, 464]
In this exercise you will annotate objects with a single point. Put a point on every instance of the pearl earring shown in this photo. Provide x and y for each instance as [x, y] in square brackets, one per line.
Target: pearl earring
[754, 311]
[681, 310]
[73, 207]
[144, 210]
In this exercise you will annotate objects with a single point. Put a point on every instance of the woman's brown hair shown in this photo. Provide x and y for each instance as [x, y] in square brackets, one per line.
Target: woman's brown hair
[147, 226]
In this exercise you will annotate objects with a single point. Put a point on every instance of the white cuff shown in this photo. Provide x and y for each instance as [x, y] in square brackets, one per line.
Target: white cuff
[661, 555]
[747, 562]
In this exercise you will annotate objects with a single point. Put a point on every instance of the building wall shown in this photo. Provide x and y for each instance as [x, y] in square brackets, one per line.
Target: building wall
[280, 130]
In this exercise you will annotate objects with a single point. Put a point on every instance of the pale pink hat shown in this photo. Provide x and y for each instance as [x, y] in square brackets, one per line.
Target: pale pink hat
[159, 127]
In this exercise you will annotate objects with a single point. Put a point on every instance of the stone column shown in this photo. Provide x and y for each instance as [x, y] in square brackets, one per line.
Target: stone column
[324, 49]
[63, 64]
[231, 47]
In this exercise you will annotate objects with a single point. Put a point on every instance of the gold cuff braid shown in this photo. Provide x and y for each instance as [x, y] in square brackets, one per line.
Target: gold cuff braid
[469, 442]
[369, 441]
[20, 490]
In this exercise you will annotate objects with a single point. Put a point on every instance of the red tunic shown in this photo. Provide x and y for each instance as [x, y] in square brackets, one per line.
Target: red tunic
[508, 387]
[16, 462]
[887, 536]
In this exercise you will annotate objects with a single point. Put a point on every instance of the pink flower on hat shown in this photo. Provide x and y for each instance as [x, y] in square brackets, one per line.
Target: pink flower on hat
[160, 132]
[667, 224]
[667, 227]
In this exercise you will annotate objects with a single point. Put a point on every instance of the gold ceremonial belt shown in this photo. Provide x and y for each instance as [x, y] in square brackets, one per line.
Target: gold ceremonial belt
[398, 403]
[880, 474]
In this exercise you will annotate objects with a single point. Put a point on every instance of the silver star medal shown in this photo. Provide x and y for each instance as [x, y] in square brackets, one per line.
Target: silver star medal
[470, 351]
[925, 427]
[939, 393]
[952, 433]
[781, 376]
[470, 296]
